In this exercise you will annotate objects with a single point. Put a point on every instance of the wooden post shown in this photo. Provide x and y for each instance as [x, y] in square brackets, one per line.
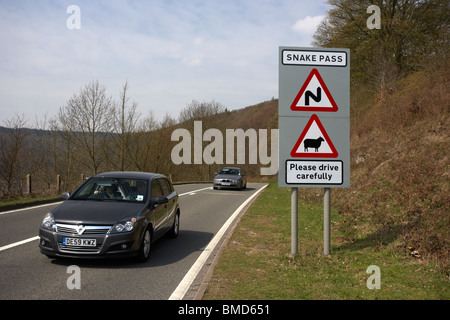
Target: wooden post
[58, 183]
[28, 183]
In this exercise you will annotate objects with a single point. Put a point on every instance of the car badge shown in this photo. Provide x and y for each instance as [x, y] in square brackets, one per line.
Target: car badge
[80, 229]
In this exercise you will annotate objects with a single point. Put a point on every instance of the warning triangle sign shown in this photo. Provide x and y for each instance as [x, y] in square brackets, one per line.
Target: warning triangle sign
[314, 142]
[314, 95]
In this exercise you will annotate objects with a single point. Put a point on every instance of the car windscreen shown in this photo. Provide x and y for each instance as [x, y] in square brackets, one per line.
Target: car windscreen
[229, 171]
[116, 189]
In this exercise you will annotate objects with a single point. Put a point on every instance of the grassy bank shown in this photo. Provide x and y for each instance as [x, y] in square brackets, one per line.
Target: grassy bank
[256, 264]
[22, 202]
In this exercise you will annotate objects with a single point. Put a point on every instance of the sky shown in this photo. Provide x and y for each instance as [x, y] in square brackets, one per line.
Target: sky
[169, 51]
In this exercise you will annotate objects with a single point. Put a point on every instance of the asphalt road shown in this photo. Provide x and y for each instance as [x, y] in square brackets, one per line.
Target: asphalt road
[27, 274]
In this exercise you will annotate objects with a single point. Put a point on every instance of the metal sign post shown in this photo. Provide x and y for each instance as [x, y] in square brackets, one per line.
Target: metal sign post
[326, 221]
[294, 221]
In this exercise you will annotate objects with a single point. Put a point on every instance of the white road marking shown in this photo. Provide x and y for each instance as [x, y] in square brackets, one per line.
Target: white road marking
[191, 193]
[186, 282]
[15, 244]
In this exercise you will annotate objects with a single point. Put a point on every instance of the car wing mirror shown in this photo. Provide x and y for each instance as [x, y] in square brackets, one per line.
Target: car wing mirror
[160, 200]
[65, 195]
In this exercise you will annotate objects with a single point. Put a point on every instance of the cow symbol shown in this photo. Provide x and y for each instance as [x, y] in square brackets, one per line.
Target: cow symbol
[313, 143]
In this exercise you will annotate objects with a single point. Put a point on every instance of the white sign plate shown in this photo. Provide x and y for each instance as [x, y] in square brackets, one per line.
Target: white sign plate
[314, 58]
[314, 172]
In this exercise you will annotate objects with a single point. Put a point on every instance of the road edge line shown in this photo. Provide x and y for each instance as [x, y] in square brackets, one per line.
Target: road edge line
[186, 282]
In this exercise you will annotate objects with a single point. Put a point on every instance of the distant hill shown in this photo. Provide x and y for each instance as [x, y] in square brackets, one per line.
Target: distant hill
[259, 116]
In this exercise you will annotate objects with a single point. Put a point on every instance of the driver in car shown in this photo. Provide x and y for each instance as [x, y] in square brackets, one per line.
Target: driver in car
[109, 192]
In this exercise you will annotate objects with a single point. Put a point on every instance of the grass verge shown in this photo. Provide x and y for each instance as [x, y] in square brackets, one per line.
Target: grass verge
[256, 263]
[11, 204]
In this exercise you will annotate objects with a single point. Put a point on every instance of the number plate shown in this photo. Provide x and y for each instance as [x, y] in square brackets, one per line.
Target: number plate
[79, 242]
[226, 183]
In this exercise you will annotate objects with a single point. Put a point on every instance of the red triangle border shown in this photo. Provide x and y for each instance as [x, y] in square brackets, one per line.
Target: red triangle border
[294, 106]
[295, 154]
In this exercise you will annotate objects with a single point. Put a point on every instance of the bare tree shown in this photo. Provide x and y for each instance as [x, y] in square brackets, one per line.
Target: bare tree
[12, 159]
[205, 112]
[124, 126]
[146, 139]
[161, 153]
[88, 116]
[200, 110]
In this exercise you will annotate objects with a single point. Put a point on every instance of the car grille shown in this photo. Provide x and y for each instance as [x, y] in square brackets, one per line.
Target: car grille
[78, 249]
[73, 229]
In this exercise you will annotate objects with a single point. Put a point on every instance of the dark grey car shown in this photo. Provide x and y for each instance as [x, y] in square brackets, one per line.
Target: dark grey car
[112, 214]
[230, 178]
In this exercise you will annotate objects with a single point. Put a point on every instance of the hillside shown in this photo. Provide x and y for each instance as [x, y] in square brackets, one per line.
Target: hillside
[400, 169]
[399, 165]
[260, 116]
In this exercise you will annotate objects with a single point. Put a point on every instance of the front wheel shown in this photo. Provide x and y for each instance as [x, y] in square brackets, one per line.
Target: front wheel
[144, 249]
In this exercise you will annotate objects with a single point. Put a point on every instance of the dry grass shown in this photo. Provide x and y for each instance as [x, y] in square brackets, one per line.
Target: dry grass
[400, 169]
[256, 265]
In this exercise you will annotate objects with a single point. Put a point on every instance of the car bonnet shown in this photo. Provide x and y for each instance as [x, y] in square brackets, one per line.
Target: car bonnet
[95, 212]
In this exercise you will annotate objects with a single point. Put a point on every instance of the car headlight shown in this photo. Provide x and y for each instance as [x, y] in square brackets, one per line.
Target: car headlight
[49, 222]
[125, 226]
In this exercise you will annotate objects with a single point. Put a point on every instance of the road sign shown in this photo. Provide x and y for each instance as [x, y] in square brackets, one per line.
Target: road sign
[314, 142]
[314, 117]
[320, 110]
[314, 95]
[314, 172]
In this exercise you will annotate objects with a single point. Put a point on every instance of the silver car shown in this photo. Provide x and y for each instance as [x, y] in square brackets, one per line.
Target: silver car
[230, 178]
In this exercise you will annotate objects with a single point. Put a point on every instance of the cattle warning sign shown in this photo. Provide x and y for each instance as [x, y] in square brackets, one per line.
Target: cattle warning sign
[314, 117]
